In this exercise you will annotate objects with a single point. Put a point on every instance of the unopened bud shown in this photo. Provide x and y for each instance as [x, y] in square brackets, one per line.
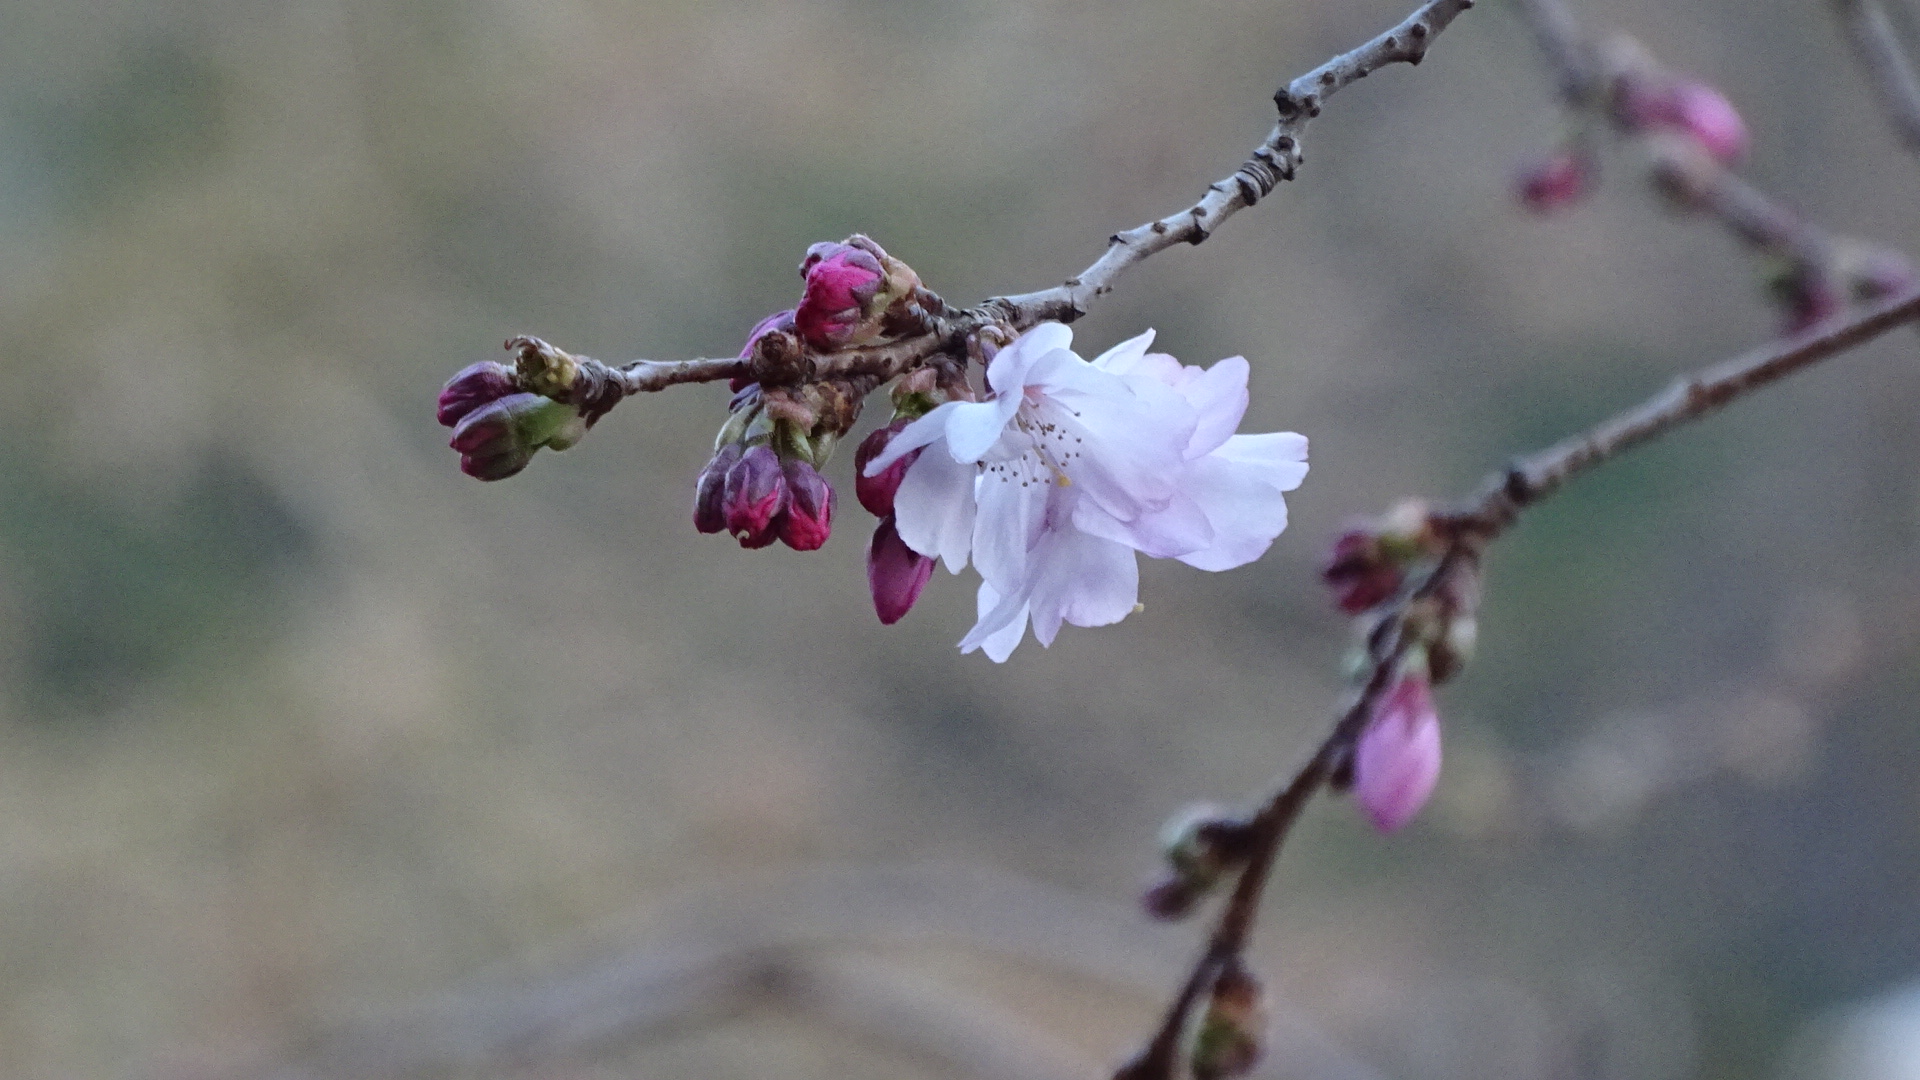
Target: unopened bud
[895, 573]
[1555, 183]
[498, 439]
[1806, 296]
[755, 496]
[1396, 761]
[876, 492]
[845, 287]
[1452, 650]
[808, 520]
[1690, 107]
[1202, 843]
[1233, 1031]
[1877, 273]
[1170, 899]
[778, 322]
[710, 491]
[471, 387]
[1359, 572]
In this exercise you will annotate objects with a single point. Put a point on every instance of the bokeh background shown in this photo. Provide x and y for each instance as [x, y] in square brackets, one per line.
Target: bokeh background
[318, 758]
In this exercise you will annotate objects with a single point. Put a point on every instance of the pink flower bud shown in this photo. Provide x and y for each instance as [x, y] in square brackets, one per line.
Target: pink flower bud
[876, 492]
[754, 497]
[1694, 108]
[1556, 182]
[810, 502]
[1170, 899]
[843, 284]
[1360, 574]
[471, 387]
[710, 491]
[497, 439]
[895, 573]
[1396, 762]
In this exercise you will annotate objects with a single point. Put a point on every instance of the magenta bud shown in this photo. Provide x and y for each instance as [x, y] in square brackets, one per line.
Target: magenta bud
[876, 492]
[1555, 183]
[843, 283]
[710, 491]
[754, 497]
[810, 502]
[895, 573]
[497, 439]
[471, 387]
[1359, 572]
[1396, 762]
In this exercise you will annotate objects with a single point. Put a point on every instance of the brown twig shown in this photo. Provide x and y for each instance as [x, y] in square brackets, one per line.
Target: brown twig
[1468, 529]
[1275, 159]
[1878, 48]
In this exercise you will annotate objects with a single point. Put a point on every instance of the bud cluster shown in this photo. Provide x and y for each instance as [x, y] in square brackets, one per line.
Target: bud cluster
[497, 427]
[1395, 761]
[763, 482]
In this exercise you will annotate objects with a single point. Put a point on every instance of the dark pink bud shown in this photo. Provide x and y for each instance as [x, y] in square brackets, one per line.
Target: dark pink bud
[843, 283]
[755, 496]
[471, 387]
[895, 573]
[1360, 573]
[810, 501]
[710, 491]
[1170, 899]
[876, 492]
[1555, 183]
[1396, 762]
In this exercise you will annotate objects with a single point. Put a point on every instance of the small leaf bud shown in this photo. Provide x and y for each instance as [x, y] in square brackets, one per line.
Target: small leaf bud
[1232, 1033]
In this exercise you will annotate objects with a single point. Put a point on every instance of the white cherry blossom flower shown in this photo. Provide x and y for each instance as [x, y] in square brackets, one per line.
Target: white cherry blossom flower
[1052, 484]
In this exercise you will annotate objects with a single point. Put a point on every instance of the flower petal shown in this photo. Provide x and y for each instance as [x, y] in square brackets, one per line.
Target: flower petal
[1008, 371]
[934, 510]
[1081, 579]
[1001, 626]
[1281, 456]
[1219, 395]
[1244, 507]
[1012, 499]
[1181, 527]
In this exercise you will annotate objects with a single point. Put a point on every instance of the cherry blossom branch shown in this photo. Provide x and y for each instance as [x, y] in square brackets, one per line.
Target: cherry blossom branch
[1465, 532]
[1878, 48]
[933, 330]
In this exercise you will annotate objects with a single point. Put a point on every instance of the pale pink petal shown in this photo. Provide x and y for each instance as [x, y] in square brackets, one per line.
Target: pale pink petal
[1008, 371]
[1219, 395]
[1396, 763]
[1179, 528]
[1012, 499]
[1281, 456]
[1081, 579]
[1125, 358]
[934, 508]
[1243, 503]
[1002, 624]
[974, 426]
[925, 431]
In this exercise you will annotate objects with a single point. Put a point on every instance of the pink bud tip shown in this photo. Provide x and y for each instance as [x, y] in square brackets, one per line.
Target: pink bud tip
[754, 497]
[842, 281]
[876, 492]
[895, 573]
[1703, 112]
[1396, 762]
[1555, 183]
[471, 387]
[710, 491]
[810, 502]
[1810, 300]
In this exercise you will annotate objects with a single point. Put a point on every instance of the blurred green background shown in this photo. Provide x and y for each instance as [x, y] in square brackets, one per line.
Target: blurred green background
[297, 722]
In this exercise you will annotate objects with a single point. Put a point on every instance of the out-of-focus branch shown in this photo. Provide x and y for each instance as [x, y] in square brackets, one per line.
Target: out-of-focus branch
[1468, 529]
[1878, 47]
[1617, 81]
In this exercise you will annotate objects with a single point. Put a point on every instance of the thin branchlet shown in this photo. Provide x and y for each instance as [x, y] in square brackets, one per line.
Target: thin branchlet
[1878, 48]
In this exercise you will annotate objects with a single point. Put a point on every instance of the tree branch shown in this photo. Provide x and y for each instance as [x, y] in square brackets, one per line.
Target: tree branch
[1468, 529]
[1274, 160]
[1878, 48]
